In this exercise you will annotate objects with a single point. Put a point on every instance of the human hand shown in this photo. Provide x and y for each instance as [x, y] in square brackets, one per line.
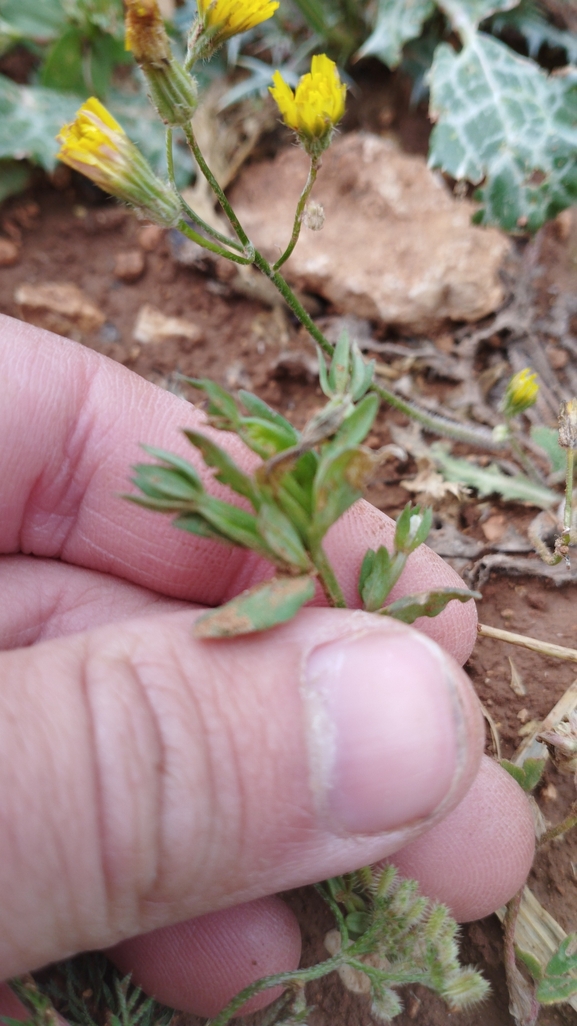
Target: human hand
[147, 778]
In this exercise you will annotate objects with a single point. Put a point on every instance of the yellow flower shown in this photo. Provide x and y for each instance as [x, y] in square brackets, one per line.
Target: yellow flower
[172, 91]
[316, 106]
[97, 146]
[230, 17]
[521, 392]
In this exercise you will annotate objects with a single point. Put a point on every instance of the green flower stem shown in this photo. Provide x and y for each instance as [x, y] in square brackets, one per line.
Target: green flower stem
[313, 171]
[234, 221]
[218, 236]
[330, 901]
[331, 586]
[212, 246]
[439, 425]
[292, 301]
[525, 460]
[299, 976]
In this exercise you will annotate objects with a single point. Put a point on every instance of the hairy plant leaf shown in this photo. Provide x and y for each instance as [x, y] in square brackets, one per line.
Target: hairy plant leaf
[165, 483]
[264, 437]
[196, 524]
[261, 607]
[426, 603]
[281, 536]
[532, 963]
[40, 22]
[222, 408]
[488, 480]
[502, 119]
[357, 425]
[30, 119]
[258, 408]
[228, 472]
[397, 21]
[339, 482]
[175, 461]
[559, 981]
[376, 578]
[528, 775]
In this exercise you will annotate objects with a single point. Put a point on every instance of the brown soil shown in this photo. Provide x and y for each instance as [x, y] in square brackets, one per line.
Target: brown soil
[74, 237]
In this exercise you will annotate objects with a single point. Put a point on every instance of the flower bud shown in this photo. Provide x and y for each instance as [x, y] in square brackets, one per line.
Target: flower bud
[315, 107]
[521, 393]
[314, 216]
[97, 146]
[568, 424]
[172, 91]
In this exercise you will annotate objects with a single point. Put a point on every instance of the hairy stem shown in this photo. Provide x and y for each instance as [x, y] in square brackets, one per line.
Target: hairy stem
[439, 425]
[313, 171]
[233, 219]
[188, 210]
[313, 972]
[212, 246]
[561, 828]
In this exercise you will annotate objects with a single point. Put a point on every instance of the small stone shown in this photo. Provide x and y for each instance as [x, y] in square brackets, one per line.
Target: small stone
[149, 237]
[58, 306]
[129, 265]
[9, 253]
[523, 715]
[154, 326]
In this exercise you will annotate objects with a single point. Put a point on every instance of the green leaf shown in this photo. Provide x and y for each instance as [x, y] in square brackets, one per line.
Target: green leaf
[40, 22]
[376, 579]
[339, 482]
[261, 607]
[165, 483]
[426, 603]
[488, 480]
[175, 461]
[264, 437]
[15, 176]
[106, 53]
[528, 775]
[236, 524]
[357, 425]
[501, 118]
[528, 21]
[532, 964]
[222, 408]
[196, 524]
[397, 21]
[258, 408]
[559, 982]
[548, 439]
[467, 14]
[63, 66]
[30, 119]
[413, 527]
[228, 472]
[281, 536]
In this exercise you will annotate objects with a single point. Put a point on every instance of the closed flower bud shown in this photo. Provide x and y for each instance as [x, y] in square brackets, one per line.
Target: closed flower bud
[568, 424]
[172, 91]
[521, 393]
[97, 146]
[315, 107]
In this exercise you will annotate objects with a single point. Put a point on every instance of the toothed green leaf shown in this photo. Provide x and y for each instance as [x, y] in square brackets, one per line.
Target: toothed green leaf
[427, 603]
[397, 21]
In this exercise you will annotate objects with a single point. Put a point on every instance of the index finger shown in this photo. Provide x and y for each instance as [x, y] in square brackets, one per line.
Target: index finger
[72, 422]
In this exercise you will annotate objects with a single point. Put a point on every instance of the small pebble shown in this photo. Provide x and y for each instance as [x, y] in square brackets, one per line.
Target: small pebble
[129, 265]
[149, 237]
[9, 253]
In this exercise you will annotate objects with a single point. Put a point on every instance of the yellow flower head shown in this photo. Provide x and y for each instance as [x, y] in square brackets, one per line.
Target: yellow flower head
[230, 17]
[97, 146]
[317, 104]
[521, 392]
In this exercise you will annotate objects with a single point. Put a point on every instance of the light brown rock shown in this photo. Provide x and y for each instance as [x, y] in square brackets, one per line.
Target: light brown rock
[129, 265]
[396, 246]
[154, 326]
[58, 306]
[9, 253]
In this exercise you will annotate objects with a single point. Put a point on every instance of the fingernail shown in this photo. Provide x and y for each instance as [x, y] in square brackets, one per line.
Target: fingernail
[386, 729]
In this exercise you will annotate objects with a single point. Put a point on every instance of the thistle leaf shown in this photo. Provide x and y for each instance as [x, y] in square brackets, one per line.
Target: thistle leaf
[427, 603]
[261, 607]
[397, 21]
[488, 480]
[501, 118]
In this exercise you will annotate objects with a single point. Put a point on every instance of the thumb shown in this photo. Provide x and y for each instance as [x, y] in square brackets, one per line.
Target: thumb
[146, 777]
